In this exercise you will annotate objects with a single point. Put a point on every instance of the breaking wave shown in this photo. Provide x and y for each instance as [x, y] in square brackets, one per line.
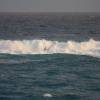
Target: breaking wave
[90, 47]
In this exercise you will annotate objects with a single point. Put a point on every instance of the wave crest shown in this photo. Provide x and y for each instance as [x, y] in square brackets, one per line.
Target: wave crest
[43, 46]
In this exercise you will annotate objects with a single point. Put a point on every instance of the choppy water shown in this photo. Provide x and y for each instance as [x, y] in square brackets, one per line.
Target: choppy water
[49, 56]
[52, 26]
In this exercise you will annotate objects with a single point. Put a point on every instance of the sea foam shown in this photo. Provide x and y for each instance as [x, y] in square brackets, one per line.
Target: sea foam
[90, 47]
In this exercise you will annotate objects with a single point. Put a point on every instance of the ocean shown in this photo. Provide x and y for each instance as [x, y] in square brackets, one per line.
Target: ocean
[50, 56]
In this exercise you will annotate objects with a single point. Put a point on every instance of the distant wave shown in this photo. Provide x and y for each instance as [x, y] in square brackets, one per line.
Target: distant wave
[90, 47]
[9, 61]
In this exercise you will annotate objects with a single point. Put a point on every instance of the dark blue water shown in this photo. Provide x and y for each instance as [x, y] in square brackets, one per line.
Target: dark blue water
[65, 77]
[49, 76]
[52, 26]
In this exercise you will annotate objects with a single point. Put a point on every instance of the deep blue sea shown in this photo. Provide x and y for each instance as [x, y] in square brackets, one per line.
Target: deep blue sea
[49, 56]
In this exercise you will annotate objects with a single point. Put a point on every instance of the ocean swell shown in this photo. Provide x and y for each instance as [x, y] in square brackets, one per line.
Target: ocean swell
[90, 47]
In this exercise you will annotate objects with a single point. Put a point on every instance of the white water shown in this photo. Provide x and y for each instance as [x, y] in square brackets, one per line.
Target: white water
[90, 47]
[47, 95]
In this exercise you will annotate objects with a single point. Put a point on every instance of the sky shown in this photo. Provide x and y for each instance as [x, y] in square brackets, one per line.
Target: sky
[49, 5]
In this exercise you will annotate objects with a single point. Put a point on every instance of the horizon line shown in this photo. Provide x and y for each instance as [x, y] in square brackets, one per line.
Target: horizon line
[49, 12]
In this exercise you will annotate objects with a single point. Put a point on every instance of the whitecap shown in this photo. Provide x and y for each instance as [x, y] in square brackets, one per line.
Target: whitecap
[90, 47]
[47, 95]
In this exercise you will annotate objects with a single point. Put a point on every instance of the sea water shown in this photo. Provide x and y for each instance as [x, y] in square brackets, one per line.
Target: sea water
[49, 56]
